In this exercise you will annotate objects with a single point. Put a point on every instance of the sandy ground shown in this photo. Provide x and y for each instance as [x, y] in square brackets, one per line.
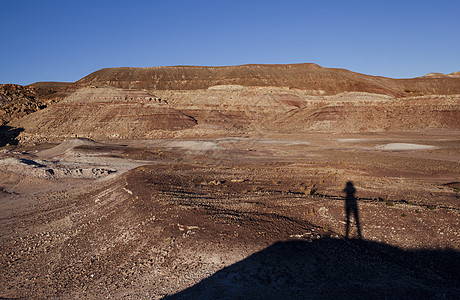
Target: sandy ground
[254, 216]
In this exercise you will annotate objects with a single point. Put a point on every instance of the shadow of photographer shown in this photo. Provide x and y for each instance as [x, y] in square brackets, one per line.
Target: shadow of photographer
[351, 207]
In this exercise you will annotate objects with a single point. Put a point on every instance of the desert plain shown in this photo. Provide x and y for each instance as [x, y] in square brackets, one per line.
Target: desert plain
[230, 182]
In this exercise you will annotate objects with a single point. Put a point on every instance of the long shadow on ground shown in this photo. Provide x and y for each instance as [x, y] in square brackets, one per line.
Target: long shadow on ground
[334, 268]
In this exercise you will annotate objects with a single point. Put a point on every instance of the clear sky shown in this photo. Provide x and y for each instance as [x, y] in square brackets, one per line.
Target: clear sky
[66, 40]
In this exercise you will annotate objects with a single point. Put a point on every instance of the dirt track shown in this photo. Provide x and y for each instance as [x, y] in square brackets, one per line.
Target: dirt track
[248, 216]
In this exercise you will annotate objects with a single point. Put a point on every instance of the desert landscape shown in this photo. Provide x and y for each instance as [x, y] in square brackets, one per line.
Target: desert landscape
[231, 182]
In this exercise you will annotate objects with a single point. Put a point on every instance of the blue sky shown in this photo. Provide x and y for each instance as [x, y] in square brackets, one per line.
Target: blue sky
[67, 40]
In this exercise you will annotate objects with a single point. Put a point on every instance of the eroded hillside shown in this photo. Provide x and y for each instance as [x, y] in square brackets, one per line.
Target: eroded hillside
[241, 99]
[115, 113]
[104, 113]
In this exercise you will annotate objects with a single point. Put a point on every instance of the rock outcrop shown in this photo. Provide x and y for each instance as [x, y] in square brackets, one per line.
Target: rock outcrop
[17, 101]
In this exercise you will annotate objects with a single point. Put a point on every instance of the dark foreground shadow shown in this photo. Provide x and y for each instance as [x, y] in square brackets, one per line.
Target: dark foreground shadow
[8, 135]
[334, 269]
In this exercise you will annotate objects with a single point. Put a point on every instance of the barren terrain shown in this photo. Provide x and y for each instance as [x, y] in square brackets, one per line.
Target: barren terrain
[233, 187]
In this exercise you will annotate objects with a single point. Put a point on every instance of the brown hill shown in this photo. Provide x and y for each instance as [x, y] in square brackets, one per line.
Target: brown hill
[112, 103]
[309, 77]
[51, 85]
[297, 76]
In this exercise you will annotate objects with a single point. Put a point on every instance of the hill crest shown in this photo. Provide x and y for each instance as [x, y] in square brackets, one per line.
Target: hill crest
[304, 76]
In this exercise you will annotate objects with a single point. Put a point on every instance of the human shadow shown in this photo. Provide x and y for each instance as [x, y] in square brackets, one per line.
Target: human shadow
[331, 268]
[351, 207]
[8, 135]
